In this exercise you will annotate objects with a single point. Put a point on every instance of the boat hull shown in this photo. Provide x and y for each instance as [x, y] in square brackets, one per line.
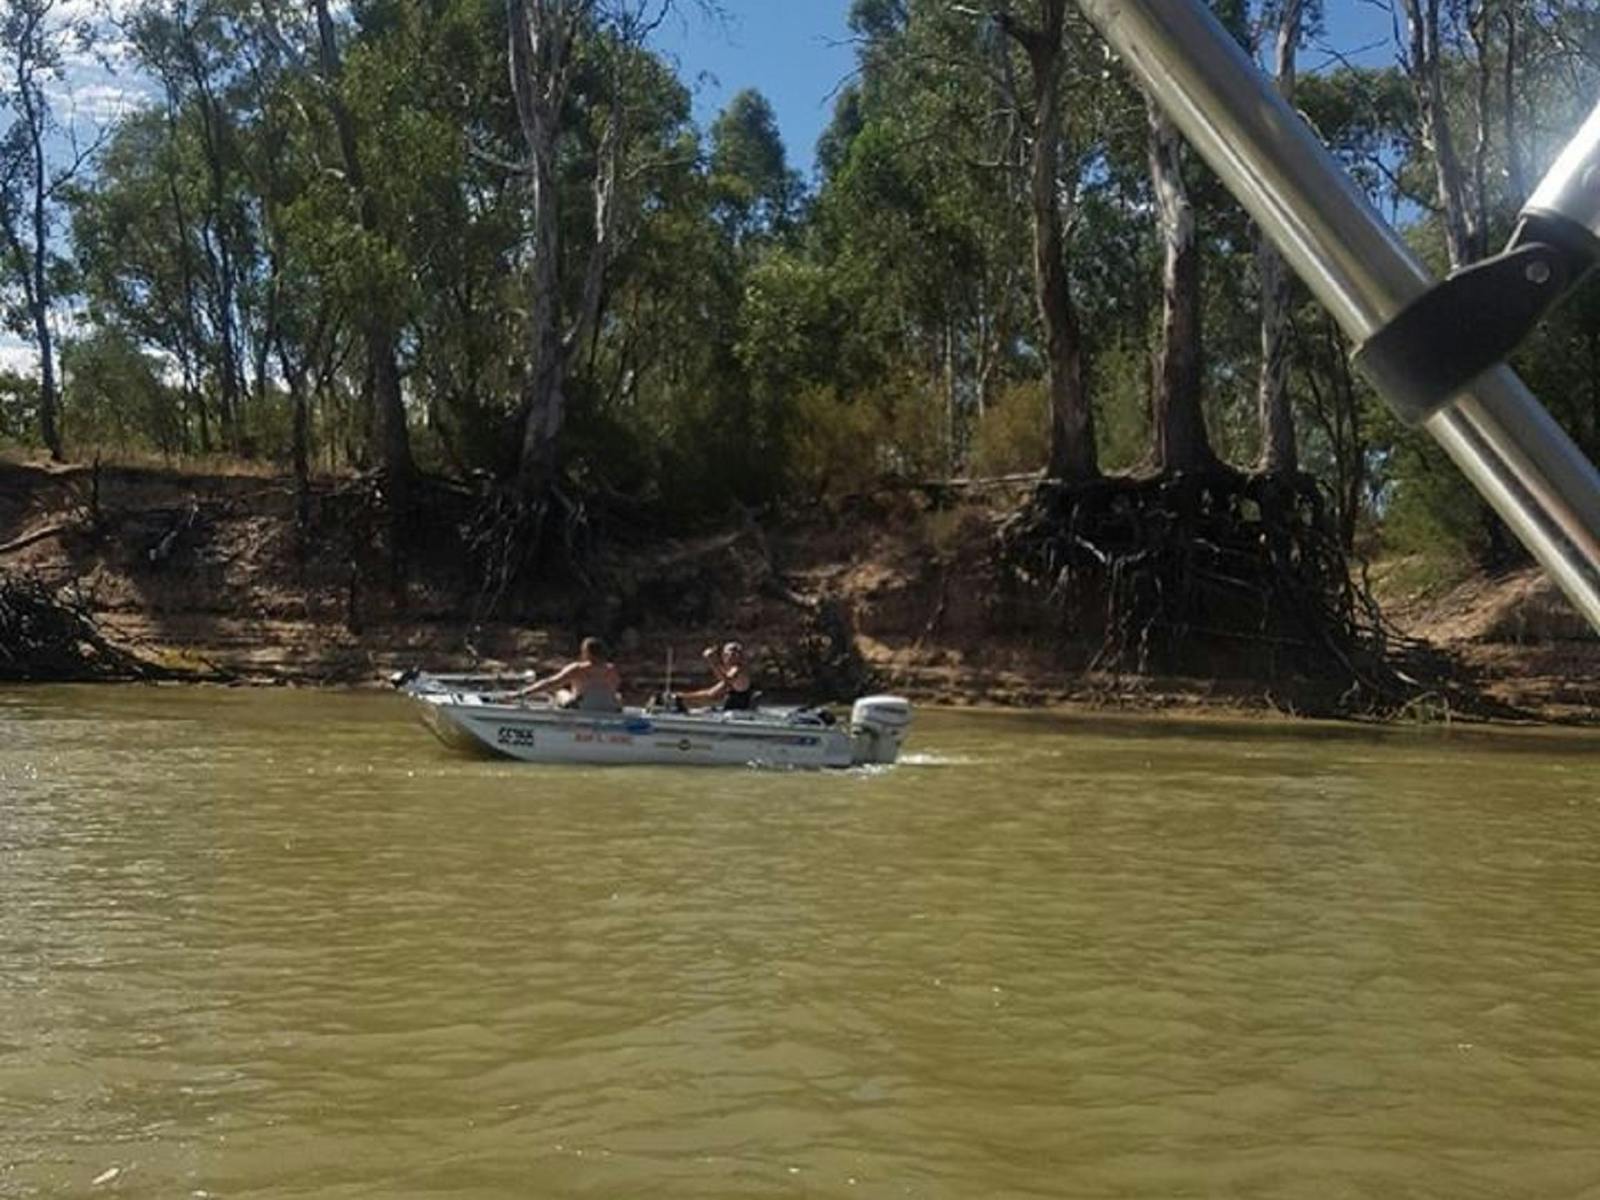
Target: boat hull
[552, 735]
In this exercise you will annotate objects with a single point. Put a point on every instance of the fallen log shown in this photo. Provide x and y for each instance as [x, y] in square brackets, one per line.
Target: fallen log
[38, 535]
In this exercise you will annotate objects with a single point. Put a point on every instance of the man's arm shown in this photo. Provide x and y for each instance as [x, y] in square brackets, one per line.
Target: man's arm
[544, 685]
[715, 692]
[713, 658]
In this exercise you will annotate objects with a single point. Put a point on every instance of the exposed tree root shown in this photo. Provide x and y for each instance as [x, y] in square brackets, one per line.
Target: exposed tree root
[824, 659]
[48, 635]
[513, 538]
[1206, 572]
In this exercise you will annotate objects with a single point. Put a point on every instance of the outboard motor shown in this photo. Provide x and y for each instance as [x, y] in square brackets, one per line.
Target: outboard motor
[878, 725]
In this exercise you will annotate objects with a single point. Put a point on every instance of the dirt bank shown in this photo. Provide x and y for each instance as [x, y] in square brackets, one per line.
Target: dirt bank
[208, 572]
[1514, 632]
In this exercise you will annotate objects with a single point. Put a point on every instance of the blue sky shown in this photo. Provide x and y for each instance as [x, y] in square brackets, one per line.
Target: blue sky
[797, 53]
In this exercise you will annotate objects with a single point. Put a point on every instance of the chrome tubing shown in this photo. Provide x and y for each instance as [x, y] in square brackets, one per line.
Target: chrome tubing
[1522, 462]
[1571, 188]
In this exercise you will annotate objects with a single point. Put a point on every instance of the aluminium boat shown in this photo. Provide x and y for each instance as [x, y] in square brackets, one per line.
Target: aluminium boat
[478, 714]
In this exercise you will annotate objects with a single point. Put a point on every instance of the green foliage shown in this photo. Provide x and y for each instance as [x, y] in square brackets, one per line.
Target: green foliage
[756, 344]
[1430, 507]
[839, 447]
[1013, 434]
[19, 397]
[1120, 383]
[832, 451]
[753, 188]
[115, 399]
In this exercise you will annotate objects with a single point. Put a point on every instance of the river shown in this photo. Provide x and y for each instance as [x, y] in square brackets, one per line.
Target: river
[267, 943]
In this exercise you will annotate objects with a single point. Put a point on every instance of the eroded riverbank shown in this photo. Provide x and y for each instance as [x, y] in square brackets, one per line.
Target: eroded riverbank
[208, 574]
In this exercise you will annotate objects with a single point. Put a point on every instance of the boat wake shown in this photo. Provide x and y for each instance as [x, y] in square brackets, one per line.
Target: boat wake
[926, 759]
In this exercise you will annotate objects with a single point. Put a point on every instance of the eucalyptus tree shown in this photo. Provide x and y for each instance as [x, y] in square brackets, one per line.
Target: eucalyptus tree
[924, 213]
[1433, 29]
[1494, 87]
[550, 43]
[174, 236]
[1073, 454]
[1479, 71]
[392, 231]
[670, 408]
[755, 191]
[194, 51]
[1182, 195]
[35, 37]
[465, 216]
[140, 265]
[377, 313]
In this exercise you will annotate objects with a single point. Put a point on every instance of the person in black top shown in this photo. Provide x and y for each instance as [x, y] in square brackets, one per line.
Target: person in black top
[733, 687]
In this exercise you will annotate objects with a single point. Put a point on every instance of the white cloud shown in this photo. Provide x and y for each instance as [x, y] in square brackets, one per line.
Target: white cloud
[101, 81]
[99, 102]
[14, 356]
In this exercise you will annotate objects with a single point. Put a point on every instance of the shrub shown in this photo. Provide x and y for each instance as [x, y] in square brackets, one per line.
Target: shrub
[114, 398]
[1013, 435]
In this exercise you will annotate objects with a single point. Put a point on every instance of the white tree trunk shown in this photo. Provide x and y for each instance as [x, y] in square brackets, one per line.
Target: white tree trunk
[1278, 453]
[542, 34]
[1178, 433]
[1463, 223]
[1073, 454]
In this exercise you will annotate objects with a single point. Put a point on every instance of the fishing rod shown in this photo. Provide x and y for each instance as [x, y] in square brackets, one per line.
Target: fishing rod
[1435, 351]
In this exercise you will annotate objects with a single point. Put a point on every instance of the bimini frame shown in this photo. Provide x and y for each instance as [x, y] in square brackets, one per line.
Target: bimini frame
[1434, 351]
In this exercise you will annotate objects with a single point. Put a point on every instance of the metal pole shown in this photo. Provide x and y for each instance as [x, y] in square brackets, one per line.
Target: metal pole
[1357, 266]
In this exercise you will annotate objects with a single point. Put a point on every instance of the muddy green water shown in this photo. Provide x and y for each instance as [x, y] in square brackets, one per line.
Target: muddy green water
[280, 944]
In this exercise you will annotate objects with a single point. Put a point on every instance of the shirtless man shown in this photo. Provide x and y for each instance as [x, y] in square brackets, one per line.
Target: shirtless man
[591, 683]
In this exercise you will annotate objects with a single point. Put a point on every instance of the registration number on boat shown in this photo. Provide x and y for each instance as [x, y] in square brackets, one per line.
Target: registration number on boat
[512, 735]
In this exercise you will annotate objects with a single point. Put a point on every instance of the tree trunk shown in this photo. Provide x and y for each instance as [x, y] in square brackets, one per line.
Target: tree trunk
[1483, 83]
[990, 338]
[294, 374]
[544, 399]
[1073, 455]
[187, 338]
[1278, 454]
[1516, 167]
[217, 236]
[49, 390]
[952, 395]
[1464, 235]
[383, 371]
[1178, 428]
[33, 258]
[39, 306]
[221, 319]
[540, 52]
[542, 33]
[1335, 403]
